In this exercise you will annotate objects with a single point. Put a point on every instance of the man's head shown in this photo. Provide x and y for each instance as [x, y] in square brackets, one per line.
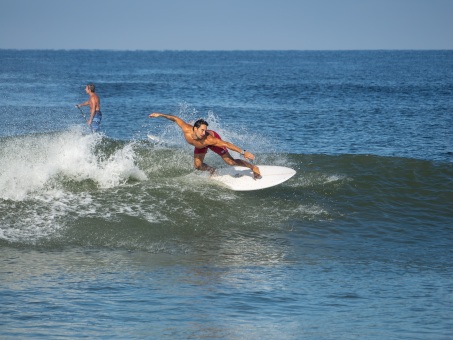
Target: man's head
[200, 127]
[90, 88]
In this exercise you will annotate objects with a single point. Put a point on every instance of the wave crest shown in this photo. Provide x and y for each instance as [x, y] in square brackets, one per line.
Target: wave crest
[36, 163]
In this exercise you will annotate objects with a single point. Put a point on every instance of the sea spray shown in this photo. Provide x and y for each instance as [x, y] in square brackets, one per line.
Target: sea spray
[36, 163]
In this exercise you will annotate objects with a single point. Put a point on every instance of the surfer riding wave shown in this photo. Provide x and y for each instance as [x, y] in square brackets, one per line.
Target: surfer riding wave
[203, 139]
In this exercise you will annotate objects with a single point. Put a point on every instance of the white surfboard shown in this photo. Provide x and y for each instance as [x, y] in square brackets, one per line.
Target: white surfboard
[241, 179]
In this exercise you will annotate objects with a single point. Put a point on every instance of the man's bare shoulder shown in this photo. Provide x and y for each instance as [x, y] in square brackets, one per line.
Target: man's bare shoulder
[94, 98]
[211, 140]
[186, 128]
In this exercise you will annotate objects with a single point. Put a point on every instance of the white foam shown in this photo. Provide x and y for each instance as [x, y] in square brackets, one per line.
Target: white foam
[33, 163]
[36, 170]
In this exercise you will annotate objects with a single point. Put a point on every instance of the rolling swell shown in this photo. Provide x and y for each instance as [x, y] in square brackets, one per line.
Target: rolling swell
[74, 190]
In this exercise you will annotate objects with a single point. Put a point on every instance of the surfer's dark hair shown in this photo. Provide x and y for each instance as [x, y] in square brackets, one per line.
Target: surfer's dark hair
[91, 87]
[200, 122]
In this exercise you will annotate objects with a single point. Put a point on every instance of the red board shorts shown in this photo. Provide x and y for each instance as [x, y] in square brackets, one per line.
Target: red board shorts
[218, 150]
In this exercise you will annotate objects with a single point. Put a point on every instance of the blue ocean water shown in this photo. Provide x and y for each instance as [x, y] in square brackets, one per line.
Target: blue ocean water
[115, 235]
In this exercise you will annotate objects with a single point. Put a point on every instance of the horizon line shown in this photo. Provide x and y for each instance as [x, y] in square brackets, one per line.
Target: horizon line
[223, 50]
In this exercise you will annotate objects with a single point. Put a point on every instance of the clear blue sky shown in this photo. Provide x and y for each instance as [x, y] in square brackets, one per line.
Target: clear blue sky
[226, 24]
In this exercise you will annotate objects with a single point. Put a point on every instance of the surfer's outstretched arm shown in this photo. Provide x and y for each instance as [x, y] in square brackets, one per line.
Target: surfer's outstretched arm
[232, 161]
[221, 143]
[182, 124]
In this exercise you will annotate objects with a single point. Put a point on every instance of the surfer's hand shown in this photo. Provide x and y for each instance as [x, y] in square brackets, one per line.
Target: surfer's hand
[256, 173]
[249, 155]
[154, 115]
[77, 106]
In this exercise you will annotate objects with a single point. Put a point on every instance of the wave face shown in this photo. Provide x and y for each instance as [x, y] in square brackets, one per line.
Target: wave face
[75, 189]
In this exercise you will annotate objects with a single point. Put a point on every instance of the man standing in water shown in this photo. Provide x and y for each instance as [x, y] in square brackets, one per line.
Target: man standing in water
[95, 108]
[203, 139]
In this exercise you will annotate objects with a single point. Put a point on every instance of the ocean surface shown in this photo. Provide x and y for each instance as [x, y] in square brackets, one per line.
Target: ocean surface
[115, 235]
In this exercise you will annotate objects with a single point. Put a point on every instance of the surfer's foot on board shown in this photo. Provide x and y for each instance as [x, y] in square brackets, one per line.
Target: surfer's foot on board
[256, 172]
[211, 171]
